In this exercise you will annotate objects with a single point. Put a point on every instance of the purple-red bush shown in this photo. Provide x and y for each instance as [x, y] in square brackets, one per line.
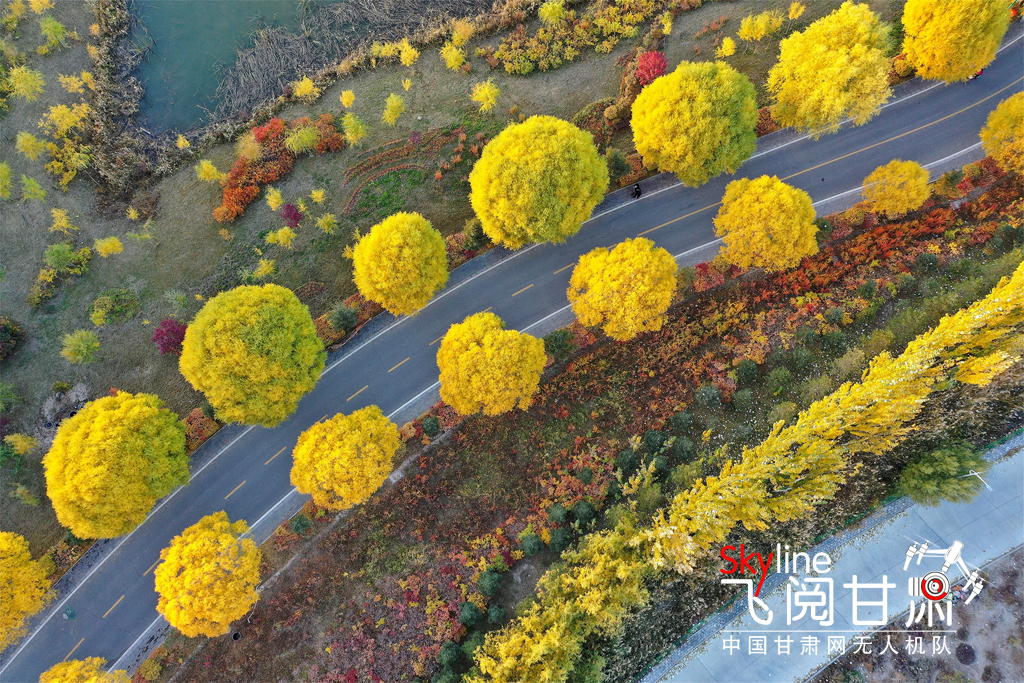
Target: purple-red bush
[650, 66]
[291, 215]
[168, 336]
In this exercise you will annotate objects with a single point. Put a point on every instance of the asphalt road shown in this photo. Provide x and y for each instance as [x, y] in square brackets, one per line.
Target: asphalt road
[115, 601]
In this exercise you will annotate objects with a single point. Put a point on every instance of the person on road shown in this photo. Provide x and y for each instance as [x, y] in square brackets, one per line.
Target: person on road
[636, 191]
[979, 72]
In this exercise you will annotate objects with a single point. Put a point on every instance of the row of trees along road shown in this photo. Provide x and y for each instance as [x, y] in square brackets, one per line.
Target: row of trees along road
[253, 351]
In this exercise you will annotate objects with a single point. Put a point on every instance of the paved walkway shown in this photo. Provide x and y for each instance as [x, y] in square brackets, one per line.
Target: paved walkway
[989, 526]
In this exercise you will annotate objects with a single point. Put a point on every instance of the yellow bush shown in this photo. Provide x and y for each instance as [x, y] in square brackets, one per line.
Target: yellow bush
[88, 670]
[485, 367]
[347, 98]
[407, 54]
[61, 222]
[22, 444]
[626, 290]
[110, 463]
[485, 93]
[754, 27]
[274, 198]
[305, 89]
[108, 246]
[28, 145]
[836, 68]
[727, 48]
[253, 351]
[282, 237]
[393, 108]
[537, 181]
[1002, 138]
[355, 129]
[897, 187]
[697, 121]
[949, 40]
[23, 586]
[401, 263]
[205, 170]
[551, 12]
[452, 56]
[342, 461]
[766, 223]
[25, 83]
[6, 181]
[207, 576]
[182, 142]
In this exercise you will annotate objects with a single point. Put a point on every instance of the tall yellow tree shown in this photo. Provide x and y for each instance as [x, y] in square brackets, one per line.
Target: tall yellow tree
[897, 187]
[253, 351]
[207, 576]
[88, 670]
[23, 586]
[401, 263]
[537, 181]
[485, 367]
[948, 40]
[697, 121]
[626, 290]
[836, 68]
[1002, 138]
[342, 461]
[110, 463]
[766, 223]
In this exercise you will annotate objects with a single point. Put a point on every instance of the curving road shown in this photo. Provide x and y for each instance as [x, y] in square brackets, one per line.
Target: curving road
[246, 471]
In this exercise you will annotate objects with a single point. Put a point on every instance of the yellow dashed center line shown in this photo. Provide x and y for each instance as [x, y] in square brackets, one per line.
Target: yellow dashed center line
[487, 310]
[322, 418]
[72, 650]
[436, 340]
[151, 567]
[522, 290]
[275, 455]
[235, 489]
[564, 268]
[357, 393]
[399, 365]
[113, 606]
[675, 220]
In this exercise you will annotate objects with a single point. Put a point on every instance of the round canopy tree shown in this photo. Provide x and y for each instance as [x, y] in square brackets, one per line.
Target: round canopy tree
[766, 223]
[401, 263]
[88, 670]
[23, 587]
[342, 461]
[537, 181]
[897, 187]
[253, 351]
[949, 40]
[485, 367]
[836, 68]
[697, 121]
[626, 289]
[110, 463]
[207, 576]
[1002, 138]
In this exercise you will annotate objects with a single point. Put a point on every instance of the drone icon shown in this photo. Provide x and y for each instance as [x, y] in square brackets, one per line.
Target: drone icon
[935, 585]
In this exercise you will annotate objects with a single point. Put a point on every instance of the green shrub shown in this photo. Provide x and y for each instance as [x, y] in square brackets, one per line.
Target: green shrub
[779, 380]
[868, 290]
[446, 675]
[683, 476]
[835, 315]
[906, 284]
[815, 389]
[114, 305]
[64, 259]
[450, 654]
[654, 440]
[8, 397]
[81, 347]
[806, 334]
[784, 411]
[742, 432]
[302, 139]
[926, 262]
[343, 318]
[747, 372]
[584, 512]
[431, 426]
[532, 544]
[801, 360]
[560, 539]
[475, 237]
[617, 165]
[489, 582]
[834, 343]
[558, 514]
[684, 449]
[879, 340]
[469, 614]
[869, 313]
[150, 670]
[474, 641]
[942, 475]
[743, 399]
[649, 499]
[559, 344]
[681, 421]
[495, 615]
[585, 475]
[626, 462]
[300, 524]
[849, 366]
[708, 396]
[60, 387]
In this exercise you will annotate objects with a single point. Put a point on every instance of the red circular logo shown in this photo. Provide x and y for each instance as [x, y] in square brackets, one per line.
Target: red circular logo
[935, 586]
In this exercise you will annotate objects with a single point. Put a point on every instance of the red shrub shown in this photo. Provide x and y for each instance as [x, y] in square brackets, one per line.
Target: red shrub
[168, 336]
[650, 66]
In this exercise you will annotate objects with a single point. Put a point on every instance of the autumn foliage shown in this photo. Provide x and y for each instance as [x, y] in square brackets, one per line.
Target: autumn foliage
[626, 289]
[253, 351]
[207, 576]
[836, 68]
[537, 181]
[23, 587]
[401, 263]
[697, 121]
[168, 336]
[1002, 138]
[342, 461]
[766, 223]
[897, 187]
[649, 66]
[485, 367]
[110, 463]
[88, 670]
[949, 40]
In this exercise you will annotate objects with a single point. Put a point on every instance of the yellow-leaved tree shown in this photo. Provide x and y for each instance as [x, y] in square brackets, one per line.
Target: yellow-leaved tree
[342, 461]
[897, 187]
[626, 290]
[401, 263]
[23, 586]
[485, 367]
[949, 40]
[766, 223]
[110, 463]
[88, 670]
[253, 351]
[1002, 138]
[207, 576]
[537, 181]
[697, 121]
[836, 68]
